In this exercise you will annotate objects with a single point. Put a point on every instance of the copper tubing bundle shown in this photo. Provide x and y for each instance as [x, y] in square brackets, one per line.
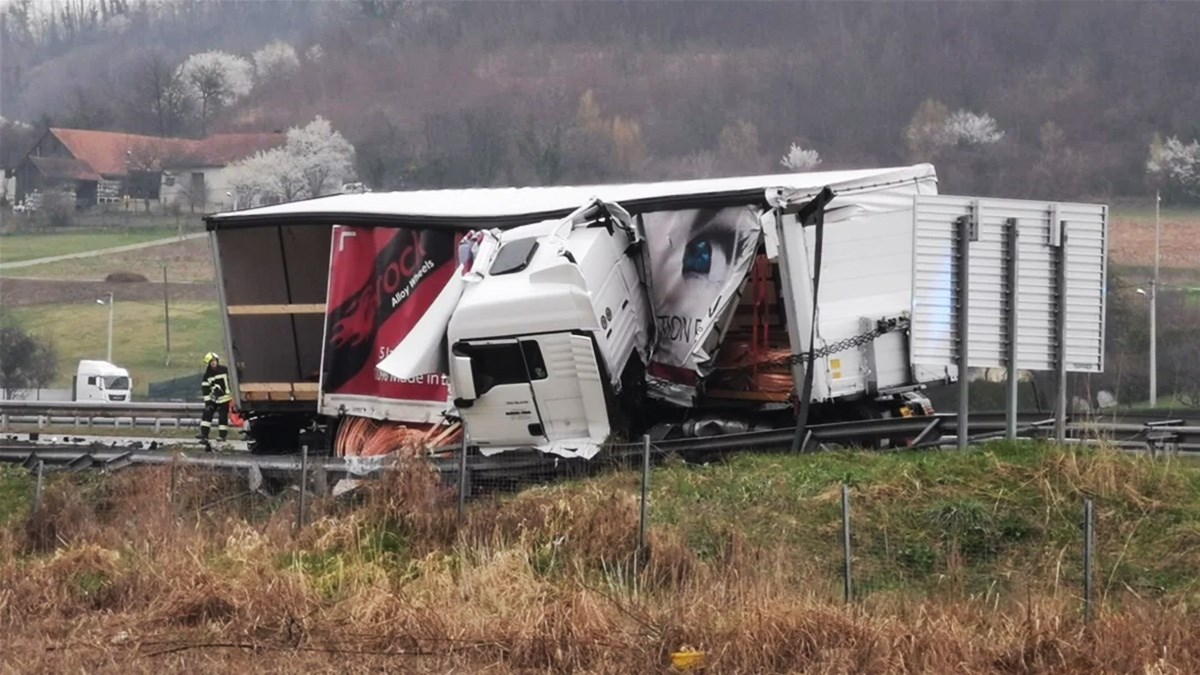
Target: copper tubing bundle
[364, 437]
[741, 368]
[751, 358]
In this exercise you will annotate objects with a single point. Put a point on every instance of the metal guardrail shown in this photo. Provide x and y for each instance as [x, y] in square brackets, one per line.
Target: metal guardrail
[89, 414]
[42, 421]
[97, 409]
[1153, 437]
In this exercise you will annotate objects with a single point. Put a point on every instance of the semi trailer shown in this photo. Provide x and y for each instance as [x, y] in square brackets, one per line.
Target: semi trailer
[561, 317]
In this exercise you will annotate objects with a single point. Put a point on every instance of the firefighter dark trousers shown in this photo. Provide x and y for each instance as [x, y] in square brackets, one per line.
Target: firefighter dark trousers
[221, 411]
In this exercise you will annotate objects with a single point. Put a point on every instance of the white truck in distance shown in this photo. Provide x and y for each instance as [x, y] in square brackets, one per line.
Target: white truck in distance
[102, 382]
[555, 327]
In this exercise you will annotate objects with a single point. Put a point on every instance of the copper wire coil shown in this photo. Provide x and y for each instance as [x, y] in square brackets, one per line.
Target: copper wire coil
[364, 437]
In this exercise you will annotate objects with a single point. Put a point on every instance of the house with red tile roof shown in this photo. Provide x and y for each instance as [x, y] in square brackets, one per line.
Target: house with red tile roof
[106, 166]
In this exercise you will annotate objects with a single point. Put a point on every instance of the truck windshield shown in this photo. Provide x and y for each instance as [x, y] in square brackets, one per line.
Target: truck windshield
[116, 382]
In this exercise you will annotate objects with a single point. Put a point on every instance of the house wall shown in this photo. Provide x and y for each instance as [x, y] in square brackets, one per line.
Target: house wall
[50, 146]
[27, 176]
[26, 179]
[177, 188]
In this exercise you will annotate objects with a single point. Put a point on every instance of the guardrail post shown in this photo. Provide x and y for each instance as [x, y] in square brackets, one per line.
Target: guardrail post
[174, 479]
[1089, 543]
[644, 523]
[37, 490]
[41, 423]
[303, 485]
[4, 422]
[847, 588]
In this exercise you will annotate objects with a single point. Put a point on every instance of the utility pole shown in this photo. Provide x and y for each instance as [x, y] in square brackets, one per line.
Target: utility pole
[1154, 306]
[166, 315]
[109, 302]
[111, 310]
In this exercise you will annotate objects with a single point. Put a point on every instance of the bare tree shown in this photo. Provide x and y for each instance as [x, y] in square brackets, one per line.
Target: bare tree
[157, 90]
[541, 147]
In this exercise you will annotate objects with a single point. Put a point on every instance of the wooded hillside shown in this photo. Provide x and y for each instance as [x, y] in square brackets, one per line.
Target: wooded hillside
[1025, 99]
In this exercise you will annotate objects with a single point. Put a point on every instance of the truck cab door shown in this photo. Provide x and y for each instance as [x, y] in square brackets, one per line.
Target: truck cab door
[503, 410]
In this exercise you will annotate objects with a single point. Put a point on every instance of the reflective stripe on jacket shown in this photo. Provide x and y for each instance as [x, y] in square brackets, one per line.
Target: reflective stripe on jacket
[215, 385]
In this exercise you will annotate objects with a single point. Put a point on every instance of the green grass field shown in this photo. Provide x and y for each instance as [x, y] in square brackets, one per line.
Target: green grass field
[17, 247]
[989, 516]
[188, 261]
[139, 342]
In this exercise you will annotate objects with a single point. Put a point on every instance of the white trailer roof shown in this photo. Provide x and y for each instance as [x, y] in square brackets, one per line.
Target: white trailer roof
[528, 204]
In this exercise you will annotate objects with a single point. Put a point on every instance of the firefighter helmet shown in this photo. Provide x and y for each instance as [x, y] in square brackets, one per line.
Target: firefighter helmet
[210, 357]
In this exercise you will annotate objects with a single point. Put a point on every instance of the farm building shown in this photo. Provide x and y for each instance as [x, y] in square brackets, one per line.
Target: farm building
[104, 166]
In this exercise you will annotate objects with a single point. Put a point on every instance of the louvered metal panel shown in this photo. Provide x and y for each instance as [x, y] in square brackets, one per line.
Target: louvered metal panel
[934, 337]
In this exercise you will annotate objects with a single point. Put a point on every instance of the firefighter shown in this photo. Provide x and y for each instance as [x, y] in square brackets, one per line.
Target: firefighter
[217, 396]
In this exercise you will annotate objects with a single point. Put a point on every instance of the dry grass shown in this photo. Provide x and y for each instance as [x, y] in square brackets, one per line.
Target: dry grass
[112, 577]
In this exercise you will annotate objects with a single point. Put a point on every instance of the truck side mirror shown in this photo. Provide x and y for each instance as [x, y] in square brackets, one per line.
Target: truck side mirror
[462, 377]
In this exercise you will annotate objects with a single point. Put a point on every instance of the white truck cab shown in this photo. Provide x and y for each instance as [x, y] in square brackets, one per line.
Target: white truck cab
[103, 382]
[541, 338]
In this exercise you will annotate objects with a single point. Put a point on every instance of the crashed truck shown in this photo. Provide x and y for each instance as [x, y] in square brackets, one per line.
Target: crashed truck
[560, 318]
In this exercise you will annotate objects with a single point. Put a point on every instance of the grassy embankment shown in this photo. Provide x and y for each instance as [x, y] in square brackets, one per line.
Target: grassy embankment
[963, 563]
[139, 342]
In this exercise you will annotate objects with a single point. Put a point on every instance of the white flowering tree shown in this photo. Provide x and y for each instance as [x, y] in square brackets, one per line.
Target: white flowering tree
[963, 127]
[934, 128]
[326, 158]
[274, 61]
[316, 160]
[799, 159]
[1175, 166]
[267, 176]
[215, 80]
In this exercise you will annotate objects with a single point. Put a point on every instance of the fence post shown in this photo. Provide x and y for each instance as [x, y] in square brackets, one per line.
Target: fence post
[303, 484]
[1089, 544]
[37, 490]
[846, 541]
[644, 524]
[463, 483]
[174, 478]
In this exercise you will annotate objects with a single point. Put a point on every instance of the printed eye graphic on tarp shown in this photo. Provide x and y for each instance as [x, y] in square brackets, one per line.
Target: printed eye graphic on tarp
[698, 258]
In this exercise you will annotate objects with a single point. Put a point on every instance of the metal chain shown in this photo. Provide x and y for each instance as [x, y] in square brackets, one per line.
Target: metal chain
[882, 327]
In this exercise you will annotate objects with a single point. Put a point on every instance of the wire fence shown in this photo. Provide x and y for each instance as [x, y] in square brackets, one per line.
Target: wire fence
[851, 538]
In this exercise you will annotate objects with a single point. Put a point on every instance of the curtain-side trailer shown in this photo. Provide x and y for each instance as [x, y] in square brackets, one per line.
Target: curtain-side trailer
[315, 294]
